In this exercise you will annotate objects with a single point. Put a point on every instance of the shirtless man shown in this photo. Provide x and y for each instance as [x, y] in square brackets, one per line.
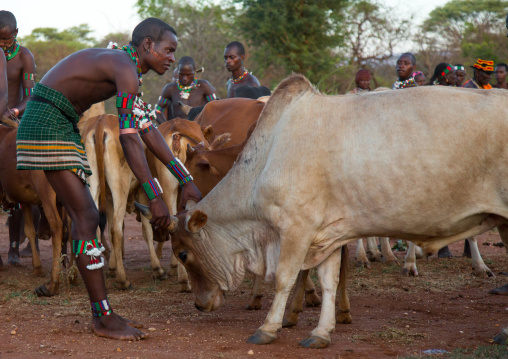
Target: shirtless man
[234, 55]
[187, 89]
[21, 80]
[66, 91]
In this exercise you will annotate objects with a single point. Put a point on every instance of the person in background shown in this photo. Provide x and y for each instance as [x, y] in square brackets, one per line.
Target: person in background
[362, 80]
[501, 76]
[406, 66]
[444, 75]
[460, 72]
[483, 70]
[419, 78]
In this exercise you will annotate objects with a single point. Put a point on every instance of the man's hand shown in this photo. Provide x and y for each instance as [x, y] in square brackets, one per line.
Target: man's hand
[189, 193]
[160, 213]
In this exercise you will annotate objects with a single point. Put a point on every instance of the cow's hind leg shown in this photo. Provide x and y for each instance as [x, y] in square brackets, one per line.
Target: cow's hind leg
[372, 250]
[410, 261]
[361, 255]
[386, 250]
[328, 272]
[311, 297]
[30, 233]
[479, 267]
[258, 289]
[296, 304]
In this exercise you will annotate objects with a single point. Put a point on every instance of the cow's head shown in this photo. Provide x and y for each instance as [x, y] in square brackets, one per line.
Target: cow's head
[188, 244]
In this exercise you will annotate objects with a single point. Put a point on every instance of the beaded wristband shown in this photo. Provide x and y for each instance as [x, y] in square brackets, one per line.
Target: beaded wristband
[178, 170]
[125, 100]
[92, 248]
[28, 91]
[102, 308]
[211, 97]
[152, 188]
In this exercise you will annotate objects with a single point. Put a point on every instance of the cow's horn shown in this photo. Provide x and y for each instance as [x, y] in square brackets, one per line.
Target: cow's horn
[185, 108]
[144, 210]
[173, 225]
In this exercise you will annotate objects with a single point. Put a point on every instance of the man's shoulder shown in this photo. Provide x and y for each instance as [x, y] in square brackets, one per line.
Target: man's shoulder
[252, 80]
[169, 90]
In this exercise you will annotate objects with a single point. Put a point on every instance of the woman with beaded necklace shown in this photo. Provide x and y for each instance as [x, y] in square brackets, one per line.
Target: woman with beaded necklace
[48, 139]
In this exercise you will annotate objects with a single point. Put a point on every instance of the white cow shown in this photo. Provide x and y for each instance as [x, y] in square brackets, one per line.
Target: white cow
[387, 169]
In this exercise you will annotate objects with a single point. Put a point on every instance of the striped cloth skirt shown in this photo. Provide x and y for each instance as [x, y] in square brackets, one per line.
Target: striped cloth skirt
[48, 138]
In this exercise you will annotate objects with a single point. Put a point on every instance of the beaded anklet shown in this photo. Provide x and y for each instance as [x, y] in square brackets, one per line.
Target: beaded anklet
[92, 248]
[178, 170]
[102, 308]
[152, 188]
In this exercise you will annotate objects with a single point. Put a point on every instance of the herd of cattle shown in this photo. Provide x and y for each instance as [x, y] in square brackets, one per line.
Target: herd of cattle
[289, 181]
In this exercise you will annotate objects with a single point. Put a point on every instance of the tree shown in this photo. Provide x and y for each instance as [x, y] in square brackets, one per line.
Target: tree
[48, 45]
[468, 29]
[204, 29]
[292, 36]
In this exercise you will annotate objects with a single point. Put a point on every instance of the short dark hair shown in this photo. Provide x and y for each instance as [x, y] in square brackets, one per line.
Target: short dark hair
[503, 64]
[238, 45]
[152, 28]
[411, 56]
[187, 60]
[7, 18]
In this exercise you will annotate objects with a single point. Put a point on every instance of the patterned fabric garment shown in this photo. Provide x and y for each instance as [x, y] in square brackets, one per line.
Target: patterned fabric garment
[48, 138]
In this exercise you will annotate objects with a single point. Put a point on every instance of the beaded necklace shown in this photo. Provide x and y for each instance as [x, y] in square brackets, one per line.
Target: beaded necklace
[133, 55]
[185, 91]
[239, 79]
[12, 50]
[410, 82]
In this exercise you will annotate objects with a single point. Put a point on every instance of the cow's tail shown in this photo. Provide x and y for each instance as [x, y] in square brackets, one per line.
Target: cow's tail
[99, 152]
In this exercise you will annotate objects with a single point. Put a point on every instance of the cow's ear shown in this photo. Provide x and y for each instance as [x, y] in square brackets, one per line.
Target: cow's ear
[206, 166]
[207, 132]
[196, 221]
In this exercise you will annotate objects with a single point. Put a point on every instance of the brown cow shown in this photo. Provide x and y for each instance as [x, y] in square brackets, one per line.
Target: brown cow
[30, 188]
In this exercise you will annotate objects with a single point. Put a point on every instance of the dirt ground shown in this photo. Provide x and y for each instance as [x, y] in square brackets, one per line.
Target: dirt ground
[393, 316]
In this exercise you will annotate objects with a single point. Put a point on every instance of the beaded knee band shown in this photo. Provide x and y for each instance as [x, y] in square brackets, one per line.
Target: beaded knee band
[152, 188]
[178, 170]
[92, 248]
[102, 308]
[146, 129]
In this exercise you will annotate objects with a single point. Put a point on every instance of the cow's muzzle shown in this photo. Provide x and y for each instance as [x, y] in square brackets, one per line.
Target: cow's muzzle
[145, 211]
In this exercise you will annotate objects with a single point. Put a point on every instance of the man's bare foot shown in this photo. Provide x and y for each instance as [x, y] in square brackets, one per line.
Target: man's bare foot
[115, 327]
[130, 322]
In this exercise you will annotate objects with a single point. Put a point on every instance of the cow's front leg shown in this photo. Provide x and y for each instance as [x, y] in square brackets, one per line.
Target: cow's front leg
[328, 272]
[290, 261]
[410, 261]
[386, 250]
[296, 304]
[479, 267]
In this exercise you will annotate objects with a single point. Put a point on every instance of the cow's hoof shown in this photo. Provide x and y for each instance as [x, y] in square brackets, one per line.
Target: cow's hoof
[409, 272]
[503, 290]
[124, 285]
[289, 322]
[501, 338]
[314, 343]
[42, 291]
[173, 270]
[255, 304]
[344, 318]
[391, 261]
[14, 261]
[444, 253]
[261, 337]
[364, 264]
[312, 299]
[160, 276]
[185, 287]
[38, 271]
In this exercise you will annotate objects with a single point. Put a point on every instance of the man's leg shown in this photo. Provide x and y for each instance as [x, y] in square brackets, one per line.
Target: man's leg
[78, 203]
[16, 224]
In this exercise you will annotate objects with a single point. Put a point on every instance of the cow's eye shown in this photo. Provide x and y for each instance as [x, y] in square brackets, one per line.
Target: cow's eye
[183, 256]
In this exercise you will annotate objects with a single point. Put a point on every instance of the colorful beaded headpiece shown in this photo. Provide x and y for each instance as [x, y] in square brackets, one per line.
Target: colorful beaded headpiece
[446, 70]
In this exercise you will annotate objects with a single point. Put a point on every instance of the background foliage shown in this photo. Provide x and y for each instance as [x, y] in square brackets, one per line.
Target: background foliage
[326, 40]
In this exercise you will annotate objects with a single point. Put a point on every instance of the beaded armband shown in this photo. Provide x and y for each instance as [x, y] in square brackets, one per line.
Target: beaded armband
[162, 101]
[92, 248]
[128, 121]
[29, 91]
[152, 188]
[28, 76]
[178, 170]
[102, 308]
[212, 97]
[125, 100]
